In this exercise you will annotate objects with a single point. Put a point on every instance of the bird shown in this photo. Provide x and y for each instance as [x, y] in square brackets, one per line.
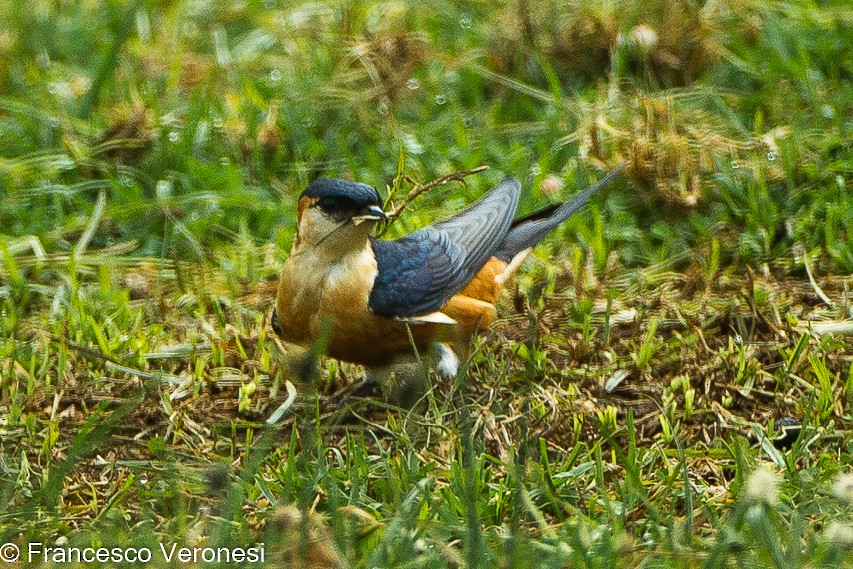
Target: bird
[379, 302]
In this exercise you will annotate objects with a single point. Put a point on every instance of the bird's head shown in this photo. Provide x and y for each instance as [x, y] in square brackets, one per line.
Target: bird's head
[337, 213]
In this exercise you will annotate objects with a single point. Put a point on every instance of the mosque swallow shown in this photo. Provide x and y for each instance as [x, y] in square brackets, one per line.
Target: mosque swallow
[377, 301]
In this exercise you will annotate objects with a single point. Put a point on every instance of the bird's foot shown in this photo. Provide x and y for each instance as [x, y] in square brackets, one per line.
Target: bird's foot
[366, 387]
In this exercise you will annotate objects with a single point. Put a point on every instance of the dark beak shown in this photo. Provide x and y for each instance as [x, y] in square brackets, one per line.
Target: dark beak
[370, 213]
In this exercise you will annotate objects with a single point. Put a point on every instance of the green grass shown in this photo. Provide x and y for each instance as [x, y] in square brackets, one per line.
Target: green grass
[621, 413]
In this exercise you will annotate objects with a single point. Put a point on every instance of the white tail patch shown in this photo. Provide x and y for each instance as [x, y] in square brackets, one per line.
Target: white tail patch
[446, 361]
[431, 318]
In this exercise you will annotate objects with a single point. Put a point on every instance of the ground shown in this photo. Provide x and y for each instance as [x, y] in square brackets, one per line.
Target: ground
[670, 380]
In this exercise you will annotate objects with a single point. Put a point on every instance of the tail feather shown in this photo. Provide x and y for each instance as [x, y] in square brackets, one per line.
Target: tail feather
[527, 231]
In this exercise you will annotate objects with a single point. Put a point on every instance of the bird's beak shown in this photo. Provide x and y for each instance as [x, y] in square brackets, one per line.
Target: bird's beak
[370, 213]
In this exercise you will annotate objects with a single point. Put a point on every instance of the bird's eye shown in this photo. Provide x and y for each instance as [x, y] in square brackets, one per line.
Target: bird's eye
[328, 203]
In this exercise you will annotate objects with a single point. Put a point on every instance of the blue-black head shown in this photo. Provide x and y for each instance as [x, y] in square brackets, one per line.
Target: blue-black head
[342, 199]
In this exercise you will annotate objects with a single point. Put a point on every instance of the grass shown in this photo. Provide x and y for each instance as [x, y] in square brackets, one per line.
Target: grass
[629, 409]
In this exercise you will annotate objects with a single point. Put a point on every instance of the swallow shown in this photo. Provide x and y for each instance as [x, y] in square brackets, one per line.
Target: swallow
[376, 302]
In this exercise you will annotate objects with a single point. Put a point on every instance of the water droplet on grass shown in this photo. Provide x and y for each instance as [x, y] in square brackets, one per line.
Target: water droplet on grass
[65, 163]
[465, 22]
[224, 161]
[174, 136]
[217, 122]
[275, 75]
[735, 165]
[440, 99]
[413, 84]
[163, 190]
[771, 156]
[412, 144]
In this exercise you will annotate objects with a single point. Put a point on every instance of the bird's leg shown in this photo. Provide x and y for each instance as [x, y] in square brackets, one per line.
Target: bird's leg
[405, 381]
[402, 383]
[367, 385]
[411, 382]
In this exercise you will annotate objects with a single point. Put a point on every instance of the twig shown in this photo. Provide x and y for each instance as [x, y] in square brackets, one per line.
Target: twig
[423, 188]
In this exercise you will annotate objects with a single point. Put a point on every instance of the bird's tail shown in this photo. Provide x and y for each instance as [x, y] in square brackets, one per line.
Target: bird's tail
[527, 231]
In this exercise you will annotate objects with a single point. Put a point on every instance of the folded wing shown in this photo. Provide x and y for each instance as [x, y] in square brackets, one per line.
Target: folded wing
[419, 273]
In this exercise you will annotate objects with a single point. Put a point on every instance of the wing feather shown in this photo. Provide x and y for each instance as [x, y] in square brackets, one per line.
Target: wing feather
[420, 272]
[529, 230]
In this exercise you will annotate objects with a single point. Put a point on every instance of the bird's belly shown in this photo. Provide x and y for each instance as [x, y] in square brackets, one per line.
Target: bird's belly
[355, 333]
[352, 333]
[333, 302]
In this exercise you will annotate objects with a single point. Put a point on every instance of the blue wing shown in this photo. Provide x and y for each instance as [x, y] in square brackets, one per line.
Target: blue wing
[419, 273]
